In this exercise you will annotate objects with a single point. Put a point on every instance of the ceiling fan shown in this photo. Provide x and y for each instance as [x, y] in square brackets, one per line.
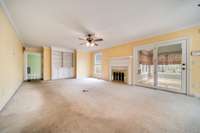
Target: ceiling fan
[90, 40]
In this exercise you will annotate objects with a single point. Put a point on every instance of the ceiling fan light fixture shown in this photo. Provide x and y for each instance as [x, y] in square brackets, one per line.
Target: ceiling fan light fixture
[90, 40]
[87, 44]
[92, 44]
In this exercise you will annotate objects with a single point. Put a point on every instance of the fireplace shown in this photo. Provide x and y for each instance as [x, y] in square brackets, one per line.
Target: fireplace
[120, 69]
[119, 74]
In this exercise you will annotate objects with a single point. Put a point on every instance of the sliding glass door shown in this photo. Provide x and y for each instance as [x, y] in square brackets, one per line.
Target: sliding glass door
[145, 66]
[162, 66]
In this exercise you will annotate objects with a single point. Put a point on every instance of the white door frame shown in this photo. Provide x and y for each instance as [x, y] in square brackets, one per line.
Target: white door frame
[26, 62]
[163, 43]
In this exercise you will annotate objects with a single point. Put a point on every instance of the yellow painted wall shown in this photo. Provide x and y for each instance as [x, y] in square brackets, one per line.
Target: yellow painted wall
[11, 58]
[74, 64]
[127, 50]
[83, 62]
[46, 63]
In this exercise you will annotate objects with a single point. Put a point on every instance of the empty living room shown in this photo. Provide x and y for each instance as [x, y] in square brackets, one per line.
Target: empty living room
[99, 66]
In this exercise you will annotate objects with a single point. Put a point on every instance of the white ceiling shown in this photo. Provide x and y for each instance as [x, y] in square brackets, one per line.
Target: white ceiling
[61, 22]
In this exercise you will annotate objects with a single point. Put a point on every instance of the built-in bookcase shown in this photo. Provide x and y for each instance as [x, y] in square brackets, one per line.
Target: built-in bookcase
[62, 63]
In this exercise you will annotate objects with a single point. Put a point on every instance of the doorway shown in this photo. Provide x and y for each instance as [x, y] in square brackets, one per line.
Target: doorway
[162, 66]
[33, 66]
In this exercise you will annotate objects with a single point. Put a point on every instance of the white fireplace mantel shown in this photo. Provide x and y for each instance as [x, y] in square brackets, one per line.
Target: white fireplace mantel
[121, 62]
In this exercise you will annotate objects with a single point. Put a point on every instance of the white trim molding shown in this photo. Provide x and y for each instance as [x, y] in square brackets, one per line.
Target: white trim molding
[121, 62]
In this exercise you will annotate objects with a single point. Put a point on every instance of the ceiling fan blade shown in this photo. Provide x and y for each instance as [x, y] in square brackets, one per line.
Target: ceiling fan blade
[91, 34]
[82, 43]
[96, 44]
[81, 38]
[98, 39]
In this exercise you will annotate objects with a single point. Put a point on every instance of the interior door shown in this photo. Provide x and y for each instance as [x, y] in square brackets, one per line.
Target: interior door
[34, 66]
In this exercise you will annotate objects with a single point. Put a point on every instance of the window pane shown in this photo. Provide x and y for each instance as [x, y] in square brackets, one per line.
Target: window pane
[97, 65]
[98, 59]
[98, 69]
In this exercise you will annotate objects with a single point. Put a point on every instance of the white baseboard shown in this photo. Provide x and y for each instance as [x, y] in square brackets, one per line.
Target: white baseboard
[10, 94]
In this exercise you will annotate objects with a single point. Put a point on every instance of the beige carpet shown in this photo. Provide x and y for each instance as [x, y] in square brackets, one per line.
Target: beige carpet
[61, 107]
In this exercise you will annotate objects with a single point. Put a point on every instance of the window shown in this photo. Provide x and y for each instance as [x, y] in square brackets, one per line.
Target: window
[97, 64]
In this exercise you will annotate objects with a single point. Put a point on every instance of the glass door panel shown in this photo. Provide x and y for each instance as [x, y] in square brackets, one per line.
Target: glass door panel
[145, 67]
[171, 67]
